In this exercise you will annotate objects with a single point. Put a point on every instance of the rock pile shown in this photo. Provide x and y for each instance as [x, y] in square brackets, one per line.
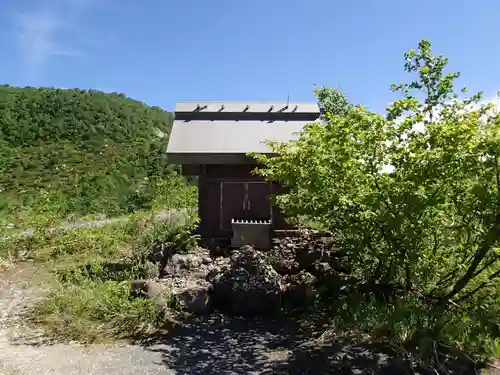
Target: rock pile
[249, 286]
[310, 252]
[309, 264]
[180, 281]
[249, 282]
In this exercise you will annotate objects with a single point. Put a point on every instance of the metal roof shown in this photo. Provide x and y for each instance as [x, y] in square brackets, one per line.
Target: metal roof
[221, 142]
[249, 107]
[225, 132]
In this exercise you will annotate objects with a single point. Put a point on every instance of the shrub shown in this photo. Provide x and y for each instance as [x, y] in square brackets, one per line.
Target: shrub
[173, 236]
[175, 193]
[413, 199]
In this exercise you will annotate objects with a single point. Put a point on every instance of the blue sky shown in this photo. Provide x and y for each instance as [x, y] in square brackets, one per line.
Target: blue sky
[163, 51]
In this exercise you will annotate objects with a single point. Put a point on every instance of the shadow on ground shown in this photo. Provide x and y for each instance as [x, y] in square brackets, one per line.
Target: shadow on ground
[221, 345]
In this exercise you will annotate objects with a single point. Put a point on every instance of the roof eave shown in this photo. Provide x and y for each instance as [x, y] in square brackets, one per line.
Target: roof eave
[185, 158]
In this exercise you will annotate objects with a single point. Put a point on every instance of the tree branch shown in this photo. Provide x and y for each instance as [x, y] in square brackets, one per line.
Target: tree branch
[486, 266]
[483, 285]
[497, 172]
[488, 242]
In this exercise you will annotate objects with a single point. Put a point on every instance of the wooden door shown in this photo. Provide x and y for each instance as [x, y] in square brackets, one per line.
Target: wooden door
[258, 206]
[232, 205]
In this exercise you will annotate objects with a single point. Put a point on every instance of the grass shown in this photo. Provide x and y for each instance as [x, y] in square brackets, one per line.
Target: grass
[96, 311]
[69, 155]
[90, 271]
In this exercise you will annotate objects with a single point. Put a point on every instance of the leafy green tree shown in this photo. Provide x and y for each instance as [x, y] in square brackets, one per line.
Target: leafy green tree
[91, 152]
[332, 101]
[413, 198]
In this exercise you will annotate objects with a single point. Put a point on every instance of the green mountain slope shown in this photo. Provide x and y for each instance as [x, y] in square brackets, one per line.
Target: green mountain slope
[92, 152]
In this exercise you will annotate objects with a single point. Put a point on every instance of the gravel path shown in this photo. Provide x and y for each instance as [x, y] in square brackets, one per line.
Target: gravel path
[162, 215]
[205, 346]
[208, 346]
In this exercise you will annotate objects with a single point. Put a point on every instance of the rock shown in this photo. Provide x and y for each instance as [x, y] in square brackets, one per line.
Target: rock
[206, 260]
[157, 293]
[299, 290]
[329, 279]
[150, 270]
[183, 294]
[192, 295]
[192, 261]
[187, 261]
[219, 266]
[307, 257]
[149, 289]
[250, 286]
[291, 254]
[160, 253]
[283, 261]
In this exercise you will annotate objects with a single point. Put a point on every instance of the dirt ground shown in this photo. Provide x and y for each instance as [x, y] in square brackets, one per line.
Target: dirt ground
[207, 345]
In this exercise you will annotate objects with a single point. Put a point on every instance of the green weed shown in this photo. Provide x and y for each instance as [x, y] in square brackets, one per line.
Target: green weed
[92, 268]
[92, 311]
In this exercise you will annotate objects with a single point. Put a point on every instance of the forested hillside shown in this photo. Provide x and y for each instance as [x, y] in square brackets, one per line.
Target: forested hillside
[87, 151]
